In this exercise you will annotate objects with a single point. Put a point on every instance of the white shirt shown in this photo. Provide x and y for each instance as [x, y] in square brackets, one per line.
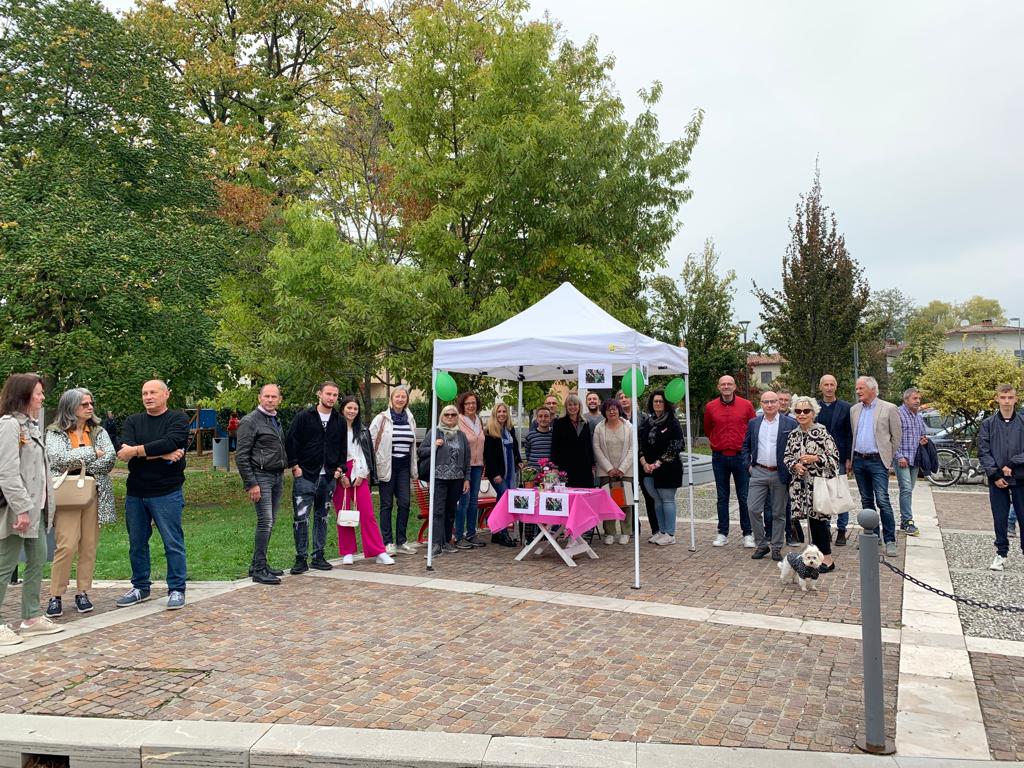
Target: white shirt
[767, 438]
[355, 454]
[324, 418]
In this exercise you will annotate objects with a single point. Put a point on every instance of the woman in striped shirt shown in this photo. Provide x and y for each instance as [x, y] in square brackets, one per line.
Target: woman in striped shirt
[394, 436]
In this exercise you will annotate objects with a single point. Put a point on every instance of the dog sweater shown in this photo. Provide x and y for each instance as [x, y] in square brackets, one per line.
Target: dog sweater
[797, 564]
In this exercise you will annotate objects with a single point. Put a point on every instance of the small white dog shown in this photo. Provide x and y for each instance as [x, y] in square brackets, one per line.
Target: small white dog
[801, 568]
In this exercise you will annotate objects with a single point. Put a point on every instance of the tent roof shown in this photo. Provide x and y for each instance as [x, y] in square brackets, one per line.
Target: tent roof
[551, 339]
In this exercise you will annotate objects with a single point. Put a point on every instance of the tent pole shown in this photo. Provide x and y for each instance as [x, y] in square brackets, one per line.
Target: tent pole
[636, 476]
[433, 459]
[519, 419]
[689, 465]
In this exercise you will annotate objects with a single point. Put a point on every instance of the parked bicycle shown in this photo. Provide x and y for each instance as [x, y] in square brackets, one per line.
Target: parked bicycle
[955, 464]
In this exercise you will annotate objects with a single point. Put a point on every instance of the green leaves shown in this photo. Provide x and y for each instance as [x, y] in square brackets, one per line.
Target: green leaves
[965, 383]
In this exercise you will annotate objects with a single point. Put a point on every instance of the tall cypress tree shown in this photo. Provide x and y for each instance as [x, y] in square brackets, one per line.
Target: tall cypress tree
[813, 320]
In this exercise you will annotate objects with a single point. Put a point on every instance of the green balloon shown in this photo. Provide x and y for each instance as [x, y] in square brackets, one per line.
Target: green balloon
[445, 386]
[676, 390]
[627, 382]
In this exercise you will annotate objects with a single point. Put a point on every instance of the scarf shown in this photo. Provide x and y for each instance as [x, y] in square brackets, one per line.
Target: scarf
[448, 432]
[656, 423]
[400, 417]
[475, 425]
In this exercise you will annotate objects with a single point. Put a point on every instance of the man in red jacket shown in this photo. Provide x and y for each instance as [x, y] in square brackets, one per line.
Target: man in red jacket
[725, 424]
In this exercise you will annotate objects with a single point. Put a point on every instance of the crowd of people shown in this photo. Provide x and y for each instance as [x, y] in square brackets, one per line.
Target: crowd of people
[335, 457]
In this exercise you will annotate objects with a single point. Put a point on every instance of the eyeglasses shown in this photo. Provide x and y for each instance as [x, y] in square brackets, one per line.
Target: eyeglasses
[803, 410]
[88, 405]
[449, 413]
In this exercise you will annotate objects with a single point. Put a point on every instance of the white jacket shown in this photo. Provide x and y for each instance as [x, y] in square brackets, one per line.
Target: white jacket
[380, 432]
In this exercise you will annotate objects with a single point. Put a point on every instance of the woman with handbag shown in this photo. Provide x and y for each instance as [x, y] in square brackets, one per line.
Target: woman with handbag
[26, 504]
[77, 445]
[613, 456]
[811, 452]
[352, 498]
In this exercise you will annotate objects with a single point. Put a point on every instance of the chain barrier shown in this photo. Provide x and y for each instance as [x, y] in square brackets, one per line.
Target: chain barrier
[955, 598]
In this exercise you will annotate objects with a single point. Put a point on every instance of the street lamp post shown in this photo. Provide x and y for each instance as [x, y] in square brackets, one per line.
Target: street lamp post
[746, 367]
[1020, 353]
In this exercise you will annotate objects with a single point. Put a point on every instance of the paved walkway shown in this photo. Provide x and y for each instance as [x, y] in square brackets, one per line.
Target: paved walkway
[711, 652]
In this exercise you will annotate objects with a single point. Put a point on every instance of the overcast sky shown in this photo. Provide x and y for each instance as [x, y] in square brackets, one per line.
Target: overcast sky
[915, 109]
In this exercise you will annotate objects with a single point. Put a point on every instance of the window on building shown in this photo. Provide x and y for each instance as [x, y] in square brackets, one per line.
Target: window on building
[766, 377]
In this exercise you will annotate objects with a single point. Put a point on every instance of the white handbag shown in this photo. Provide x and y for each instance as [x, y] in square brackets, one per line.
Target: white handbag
[348, 517]
[831, 496]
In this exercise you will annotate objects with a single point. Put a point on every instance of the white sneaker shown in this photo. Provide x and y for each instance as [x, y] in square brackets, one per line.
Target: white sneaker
[406, 549]
[623, 538]
[653, 539]
[720, 540]
[41, 626]
[748, 541]
[347, 560]
[391, 549]
[608, 540]
[666, 540]
[8, 636]
[997, 563]
[385, 559]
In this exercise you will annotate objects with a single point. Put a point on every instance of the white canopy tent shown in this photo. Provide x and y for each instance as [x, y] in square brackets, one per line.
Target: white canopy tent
[549, 341]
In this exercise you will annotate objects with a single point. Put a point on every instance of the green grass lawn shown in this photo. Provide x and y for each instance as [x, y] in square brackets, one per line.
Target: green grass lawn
[219, 522]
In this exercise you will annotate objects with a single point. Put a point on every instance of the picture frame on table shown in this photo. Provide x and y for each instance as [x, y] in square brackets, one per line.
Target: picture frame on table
[522, 502]
[554, 504]
[595, 376]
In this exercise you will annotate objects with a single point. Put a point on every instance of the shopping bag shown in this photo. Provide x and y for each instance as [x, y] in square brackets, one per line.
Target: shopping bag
[620, 491]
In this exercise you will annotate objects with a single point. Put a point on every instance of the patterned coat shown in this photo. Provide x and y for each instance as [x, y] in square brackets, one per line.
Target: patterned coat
[63, 457]
[819, 442]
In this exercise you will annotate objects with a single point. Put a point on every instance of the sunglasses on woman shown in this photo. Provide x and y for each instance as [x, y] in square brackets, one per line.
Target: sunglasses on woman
[803, 410]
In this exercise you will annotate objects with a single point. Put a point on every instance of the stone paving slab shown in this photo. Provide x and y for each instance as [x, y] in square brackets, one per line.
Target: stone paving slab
[103, 599]
[963, 510]
[1000, 684]
[325, 652]
[714, 578]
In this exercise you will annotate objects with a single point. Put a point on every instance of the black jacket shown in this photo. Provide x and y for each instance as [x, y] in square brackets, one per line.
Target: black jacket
[573, 453]
[494, 455]
[311, 447]
[259, 446]
[926, 459]
[663, 442]
[836, 419]
[1002, 445]
[365, 442]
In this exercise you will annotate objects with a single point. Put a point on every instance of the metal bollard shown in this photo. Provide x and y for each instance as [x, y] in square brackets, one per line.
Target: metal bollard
[872, 737]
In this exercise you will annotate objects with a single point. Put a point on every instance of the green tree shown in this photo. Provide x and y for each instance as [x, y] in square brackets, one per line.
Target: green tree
[923, 341]
[978, 308]
[813, 320]
[698, 312]
[109, 247]
[963, 384]
[887, 312]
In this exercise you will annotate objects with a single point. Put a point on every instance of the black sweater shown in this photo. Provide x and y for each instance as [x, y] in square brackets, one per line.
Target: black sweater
[573, 453]
[159, 435]
[312, 447]
[494, 455]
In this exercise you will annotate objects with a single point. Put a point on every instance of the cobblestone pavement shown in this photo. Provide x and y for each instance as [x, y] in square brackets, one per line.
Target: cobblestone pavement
[1000, 683]
[712, 577]
[963, 510]
[968, 556]
[103, 599]
[326, 652]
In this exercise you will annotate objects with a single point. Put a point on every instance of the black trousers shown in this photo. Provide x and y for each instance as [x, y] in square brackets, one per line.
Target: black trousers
[446, 500]
[821, 535]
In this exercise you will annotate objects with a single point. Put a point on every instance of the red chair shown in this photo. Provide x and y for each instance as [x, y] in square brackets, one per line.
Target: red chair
[484, 504]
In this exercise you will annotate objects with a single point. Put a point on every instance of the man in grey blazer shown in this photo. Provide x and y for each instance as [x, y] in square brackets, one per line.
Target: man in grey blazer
[877, 431]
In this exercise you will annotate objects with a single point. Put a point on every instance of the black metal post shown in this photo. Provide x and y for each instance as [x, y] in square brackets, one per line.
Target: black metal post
[872, 736]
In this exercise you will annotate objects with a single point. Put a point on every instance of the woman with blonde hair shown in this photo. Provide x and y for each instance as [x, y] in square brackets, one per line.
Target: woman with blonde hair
[572, 447]
[393, 432]
[502, 460]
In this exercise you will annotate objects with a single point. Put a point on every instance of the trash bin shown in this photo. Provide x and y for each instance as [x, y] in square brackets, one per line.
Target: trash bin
[220, 453]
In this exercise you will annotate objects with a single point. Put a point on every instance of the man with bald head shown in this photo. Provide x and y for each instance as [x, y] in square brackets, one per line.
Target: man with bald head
[725, 423]
[153, 443]
[835, 417]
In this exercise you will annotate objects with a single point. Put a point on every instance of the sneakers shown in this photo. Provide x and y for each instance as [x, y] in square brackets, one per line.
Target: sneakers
[405, 549]
[720, 540]
[391, 549]
[8, 636]
[320, 564]
[449, 549]
[82, 603]
[653, 538]
[175, 600]
[40, 626]
[53, 608]
[474, 542]
[760, 553]
[385, 559]
[609, 540]
[841, 538]
[623, 538]
[909, 528]
[748, 541]
[131, 597]
[464, 544]
[890, 549]
[299, 567]
[437, 552]
[997, 563]
[666, 540]
[347, 560]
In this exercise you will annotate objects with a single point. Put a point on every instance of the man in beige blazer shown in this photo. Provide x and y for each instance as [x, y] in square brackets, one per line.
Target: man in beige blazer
[876, 438]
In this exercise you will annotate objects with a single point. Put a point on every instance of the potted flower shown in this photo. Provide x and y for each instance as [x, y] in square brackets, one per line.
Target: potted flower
[528, 476]
[548, 474]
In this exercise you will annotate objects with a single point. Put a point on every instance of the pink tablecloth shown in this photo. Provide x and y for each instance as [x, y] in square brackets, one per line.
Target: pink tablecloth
[587, 508]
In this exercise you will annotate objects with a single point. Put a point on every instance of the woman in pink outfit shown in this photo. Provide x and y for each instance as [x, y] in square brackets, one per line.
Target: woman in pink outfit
[353, 489]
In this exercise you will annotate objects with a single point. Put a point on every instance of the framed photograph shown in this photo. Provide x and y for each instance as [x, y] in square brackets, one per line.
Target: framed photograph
[595, 376]
[555, 504]
[522, 502]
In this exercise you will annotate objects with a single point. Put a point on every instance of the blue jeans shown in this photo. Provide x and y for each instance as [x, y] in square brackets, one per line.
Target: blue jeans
[1001, 500]
[271, 484]
[873, 484]
[466, 514]
[140, 514]
[906, 477]
[307, 496]
[725, 467]
[664, 506]
[843, 518]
